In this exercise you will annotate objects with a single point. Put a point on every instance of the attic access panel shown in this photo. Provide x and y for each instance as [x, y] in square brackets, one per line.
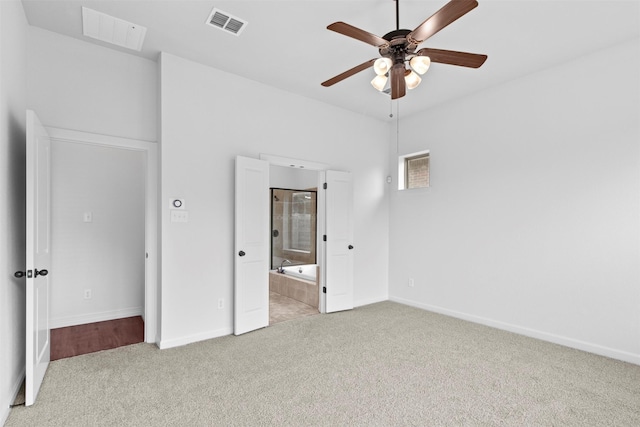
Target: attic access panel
[112, 30]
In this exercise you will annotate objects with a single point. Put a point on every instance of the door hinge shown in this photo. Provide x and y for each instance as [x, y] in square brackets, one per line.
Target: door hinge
[324, 185]
[324, 289]
[324, 237]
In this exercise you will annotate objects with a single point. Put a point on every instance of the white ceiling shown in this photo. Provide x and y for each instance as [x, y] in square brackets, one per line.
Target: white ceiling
[286, 43]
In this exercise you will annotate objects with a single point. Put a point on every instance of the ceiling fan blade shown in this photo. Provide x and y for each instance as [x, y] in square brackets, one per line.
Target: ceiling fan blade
[358, 34]
[451, 57]
[445, 16]
[398, 86]
[348, 73]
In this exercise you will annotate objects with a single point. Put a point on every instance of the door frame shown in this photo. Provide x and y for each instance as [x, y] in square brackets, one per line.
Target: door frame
[321, 199]
[150, 151]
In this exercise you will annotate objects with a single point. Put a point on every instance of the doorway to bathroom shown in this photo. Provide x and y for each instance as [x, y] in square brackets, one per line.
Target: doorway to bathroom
[334, 237]
[294, 272]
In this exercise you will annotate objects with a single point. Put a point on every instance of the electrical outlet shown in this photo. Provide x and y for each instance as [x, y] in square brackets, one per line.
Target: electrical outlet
[87, 294]
[220, 303]
[411, 283]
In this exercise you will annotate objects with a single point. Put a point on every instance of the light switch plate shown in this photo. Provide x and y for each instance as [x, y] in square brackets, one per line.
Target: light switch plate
[179, 216]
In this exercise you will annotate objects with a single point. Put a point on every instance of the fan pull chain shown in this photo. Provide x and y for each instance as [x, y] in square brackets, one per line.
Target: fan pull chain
[398, 128]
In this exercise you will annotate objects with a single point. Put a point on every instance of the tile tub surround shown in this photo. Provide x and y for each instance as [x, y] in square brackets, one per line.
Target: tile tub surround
[301, 290]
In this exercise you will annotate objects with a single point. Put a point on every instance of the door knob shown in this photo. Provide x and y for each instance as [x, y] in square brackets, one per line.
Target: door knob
[241, 253]
[350, 246]
[36, 273]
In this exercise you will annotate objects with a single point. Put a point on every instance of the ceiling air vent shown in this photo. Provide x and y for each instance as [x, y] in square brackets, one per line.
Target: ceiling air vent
[226, 22]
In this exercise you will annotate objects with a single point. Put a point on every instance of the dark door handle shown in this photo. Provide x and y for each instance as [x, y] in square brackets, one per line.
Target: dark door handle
[350, 247]
[241, 253]
[36, 273]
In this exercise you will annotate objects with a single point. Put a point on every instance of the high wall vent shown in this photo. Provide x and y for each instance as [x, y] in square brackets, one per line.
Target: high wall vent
[226, 22]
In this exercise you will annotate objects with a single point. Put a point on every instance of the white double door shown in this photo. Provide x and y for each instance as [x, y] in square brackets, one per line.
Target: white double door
[252, 244]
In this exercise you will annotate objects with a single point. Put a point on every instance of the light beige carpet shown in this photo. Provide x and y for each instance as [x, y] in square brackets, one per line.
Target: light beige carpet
[381, 365]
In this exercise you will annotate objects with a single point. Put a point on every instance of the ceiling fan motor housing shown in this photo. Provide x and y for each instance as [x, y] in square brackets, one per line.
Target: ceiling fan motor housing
[398, 46]
[395, 34]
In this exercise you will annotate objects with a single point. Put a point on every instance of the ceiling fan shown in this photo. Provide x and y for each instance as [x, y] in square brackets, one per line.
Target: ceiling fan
[398, 47]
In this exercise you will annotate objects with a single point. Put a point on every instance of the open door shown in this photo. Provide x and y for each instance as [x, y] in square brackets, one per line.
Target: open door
[38, 255]
[251, 290]
[339, 247]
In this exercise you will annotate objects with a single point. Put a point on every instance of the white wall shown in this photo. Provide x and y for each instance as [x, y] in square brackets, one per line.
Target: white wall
[105, 255]
[532, 222]
[85, 87]
[208, 117]
[13, 88]
[292, 178]
[82, 86]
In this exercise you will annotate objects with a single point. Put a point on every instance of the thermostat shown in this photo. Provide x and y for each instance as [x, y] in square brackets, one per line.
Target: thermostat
[177, 203]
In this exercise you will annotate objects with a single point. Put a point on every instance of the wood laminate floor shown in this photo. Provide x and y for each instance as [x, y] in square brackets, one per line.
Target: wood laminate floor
[82, 339]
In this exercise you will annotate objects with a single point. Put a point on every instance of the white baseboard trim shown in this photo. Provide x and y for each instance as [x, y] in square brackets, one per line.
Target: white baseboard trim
[5, 406]
[364, 302]
[533, 333]
[189, 339]
[81, 319]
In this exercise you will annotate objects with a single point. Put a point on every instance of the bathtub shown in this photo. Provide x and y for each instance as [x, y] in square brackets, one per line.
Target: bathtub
[293, 284]
[306, 272]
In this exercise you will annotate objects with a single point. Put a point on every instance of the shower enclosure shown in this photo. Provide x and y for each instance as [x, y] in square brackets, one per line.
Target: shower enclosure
[294, 272]
[293, 227]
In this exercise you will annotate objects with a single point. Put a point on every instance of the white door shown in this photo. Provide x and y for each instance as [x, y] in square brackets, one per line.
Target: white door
[339, 247]
[251, 290]
[38, 256]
